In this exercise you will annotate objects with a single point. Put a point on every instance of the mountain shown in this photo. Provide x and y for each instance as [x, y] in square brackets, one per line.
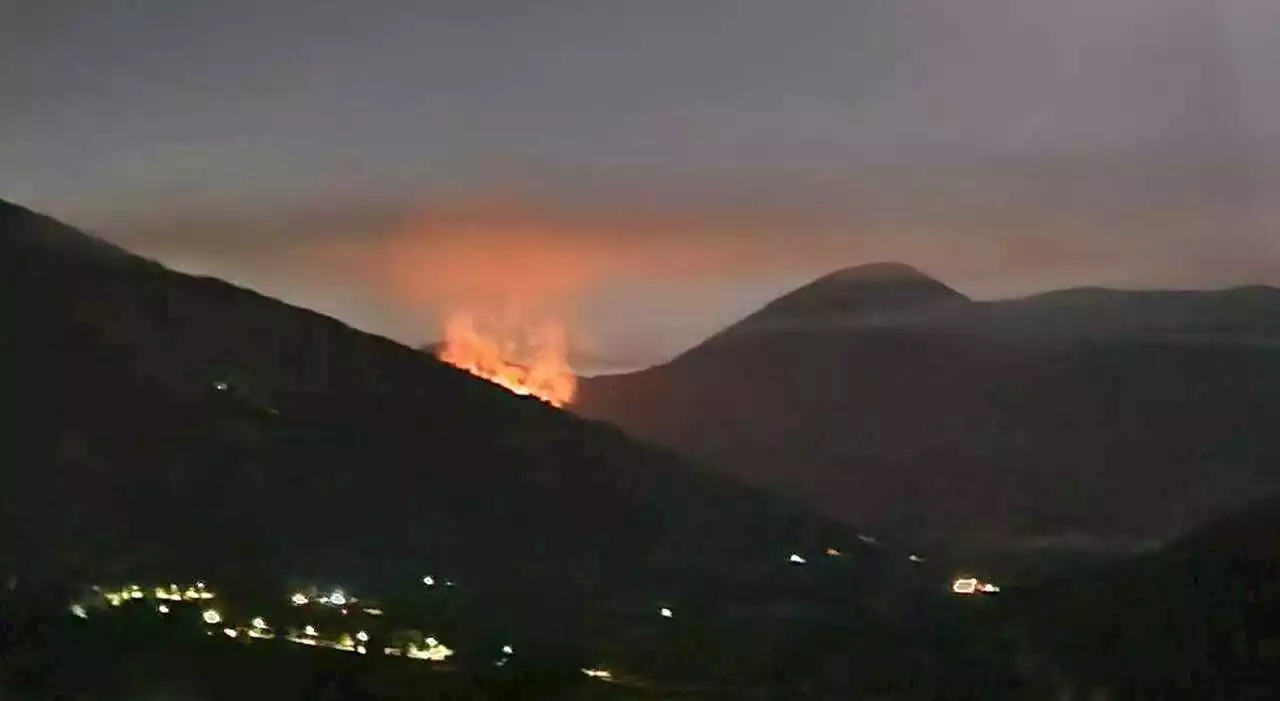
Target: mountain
[1198, 618]
[1084, 418]
[163, 424]
[858, 293]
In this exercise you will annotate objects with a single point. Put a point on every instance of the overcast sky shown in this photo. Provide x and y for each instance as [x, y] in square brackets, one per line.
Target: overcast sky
[646, 170]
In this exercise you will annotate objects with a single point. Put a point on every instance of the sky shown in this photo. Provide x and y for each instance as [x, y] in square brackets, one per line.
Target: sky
[645, 172]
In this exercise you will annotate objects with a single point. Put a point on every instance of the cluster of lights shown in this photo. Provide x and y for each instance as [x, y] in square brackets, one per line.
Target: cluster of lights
[307, 637]
[798, 559]
[133, 592]
[435, 651]
[431, 581]
[116, 598]
[345, 642]
[259, 629]
[972, 585]
[432, 649]
[337, 597]
[173, 593]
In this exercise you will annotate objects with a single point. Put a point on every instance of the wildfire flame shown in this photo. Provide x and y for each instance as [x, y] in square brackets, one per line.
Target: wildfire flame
[534, 363]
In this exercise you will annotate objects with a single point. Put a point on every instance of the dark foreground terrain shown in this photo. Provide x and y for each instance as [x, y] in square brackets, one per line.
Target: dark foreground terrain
[1199, 619]
[131, 651]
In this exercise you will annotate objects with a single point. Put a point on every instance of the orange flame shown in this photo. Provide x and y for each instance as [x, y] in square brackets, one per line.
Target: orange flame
[536, 366]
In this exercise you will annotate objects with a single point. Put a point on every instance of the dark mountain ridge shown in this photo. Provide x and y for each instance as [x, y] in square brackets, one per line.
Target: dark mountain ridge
[877, 287]
[1094, 412]
[860, 294]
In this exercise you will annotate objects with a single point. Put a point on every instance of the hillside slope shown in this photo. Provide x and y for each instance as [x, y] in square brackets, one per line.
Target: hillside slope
[1199, 618]
[1072, 417]
[163, 423]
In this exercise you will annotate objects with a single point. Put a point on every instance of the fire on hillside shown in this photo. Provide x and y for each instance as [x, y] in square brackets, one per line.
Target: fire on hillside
[532, 362]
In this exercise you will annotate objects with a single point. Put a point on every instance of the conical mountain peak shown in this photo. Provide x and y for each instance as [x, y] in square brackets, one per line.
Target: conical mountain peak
[871, 288]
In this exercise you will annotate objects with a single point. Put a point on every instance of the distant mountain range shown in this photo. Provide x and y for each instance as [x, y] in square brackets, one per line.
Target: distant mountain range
[163, 423]
[879, 395]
